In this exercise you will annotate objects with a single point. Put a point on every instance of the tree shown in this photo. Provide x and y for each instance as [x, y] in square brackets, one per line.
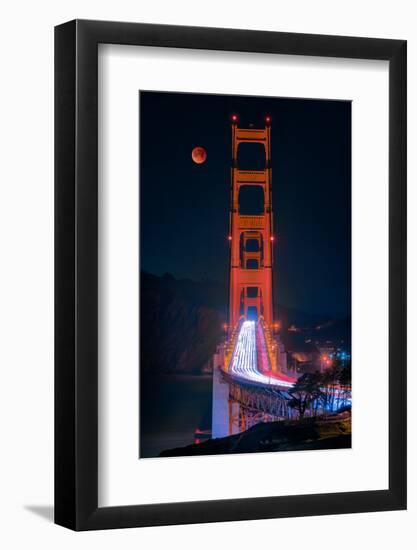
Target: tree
[305, 394]
[336, 384]
[345, 381]
[329, 382]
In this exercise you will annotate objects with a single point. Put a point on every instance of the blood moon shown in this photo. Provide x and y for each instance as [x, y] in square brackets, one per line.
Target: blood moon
[199, 155]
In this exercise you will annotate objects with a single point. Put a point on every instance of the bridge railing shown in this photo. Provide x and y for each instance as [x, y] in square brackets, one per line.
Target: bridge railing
[269, 345]
[231, 345]
[262, 355]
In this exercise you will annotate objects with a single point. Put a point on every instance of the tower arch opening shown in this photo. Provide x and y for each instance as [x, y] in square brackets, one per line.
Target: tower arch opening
[251, 200]
[252, 313]
[252, 263]
[252, 245]
[251, 156]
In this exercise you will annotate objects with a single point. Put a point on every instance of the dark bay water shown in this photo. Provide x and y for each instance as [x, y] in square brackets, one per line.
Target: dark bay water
[171, 408]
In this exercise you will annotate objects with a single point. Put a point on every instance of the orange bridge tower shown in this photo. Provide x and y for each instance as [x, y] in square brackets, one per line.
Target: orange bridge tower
[251, 236]
[236, 406]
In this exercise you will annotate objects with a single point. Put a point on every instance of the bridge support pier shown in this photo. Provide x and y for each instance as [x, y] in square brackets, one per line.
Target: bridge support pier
[234, 417]
[220, 407]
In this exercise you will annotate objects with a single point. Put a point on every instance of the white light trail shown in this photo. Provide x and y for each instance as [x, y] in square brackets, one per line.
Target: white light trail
[244, 362]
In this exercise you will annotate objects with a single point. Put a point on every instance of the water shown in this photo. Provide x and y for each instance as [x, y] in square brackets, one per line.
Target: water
[171, 409]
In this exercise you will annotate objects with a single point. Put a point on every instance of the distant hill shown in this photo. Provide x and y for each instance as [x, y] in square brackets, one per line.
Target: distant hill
[181, 323]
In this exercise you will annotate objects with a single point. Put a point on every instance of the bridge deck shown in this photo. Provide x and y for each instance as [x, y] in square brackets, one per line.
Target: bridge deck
[244, 363]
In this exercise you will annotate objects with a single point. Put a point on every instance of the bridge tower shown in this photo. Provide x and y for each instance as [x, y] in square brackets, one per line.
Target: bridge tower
[251, 236]
[237, 406]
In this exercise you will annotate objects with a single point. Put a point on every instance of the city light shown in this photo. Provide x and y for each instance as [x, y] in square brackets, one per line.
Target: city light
[326, 360]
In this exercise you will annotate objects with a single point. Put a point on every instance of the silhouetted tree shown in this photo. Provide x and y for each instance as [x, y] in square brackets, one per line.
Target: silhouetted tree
[329, 382]
[306, 393]
[345, 381]
[336, 383]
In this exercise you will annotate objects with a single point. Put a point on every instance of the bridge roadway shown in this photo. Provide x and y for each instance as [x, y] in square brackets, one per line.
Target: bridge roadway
[244, 363]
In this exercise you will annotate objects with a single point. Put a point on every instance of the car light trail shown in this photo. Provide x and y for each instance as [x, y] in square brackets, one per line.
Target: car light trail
[244, 360]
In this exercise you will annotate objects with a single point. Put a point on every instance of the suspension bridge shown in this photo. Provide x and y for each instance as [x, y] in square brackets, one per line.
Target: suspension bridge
[250, 384]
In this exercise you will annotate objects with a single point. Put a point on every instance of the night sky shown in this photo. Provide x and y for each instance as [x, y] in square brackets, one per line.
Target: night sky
[185, 207]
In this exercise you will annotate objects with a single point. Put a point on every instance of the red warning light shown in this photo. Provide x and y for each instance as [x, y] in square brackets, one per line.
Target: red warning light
[268, 119]
[234, 118]
[229, 237]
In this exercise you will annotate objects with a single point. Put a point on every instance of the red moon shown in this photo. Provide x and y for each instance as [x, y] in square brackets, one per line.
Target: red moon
[199, 155]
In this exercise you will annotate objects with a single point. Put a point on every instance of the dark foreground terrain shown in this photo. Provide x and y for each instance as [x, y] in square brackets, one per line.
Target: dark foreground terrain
[330, 432]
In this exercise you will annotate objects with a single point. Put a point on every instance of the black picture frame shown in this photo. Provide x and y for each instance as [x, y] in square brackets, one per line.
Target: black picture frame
[76, 272]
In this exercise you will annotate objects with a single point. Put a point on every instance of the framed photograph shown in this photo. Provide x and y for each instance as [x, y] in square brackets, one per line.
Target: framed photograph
[230, 254]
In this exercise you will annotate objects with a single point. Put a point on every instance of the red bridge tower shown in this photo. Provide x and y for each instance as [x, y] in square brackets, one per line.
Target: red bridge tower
[251, 286]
